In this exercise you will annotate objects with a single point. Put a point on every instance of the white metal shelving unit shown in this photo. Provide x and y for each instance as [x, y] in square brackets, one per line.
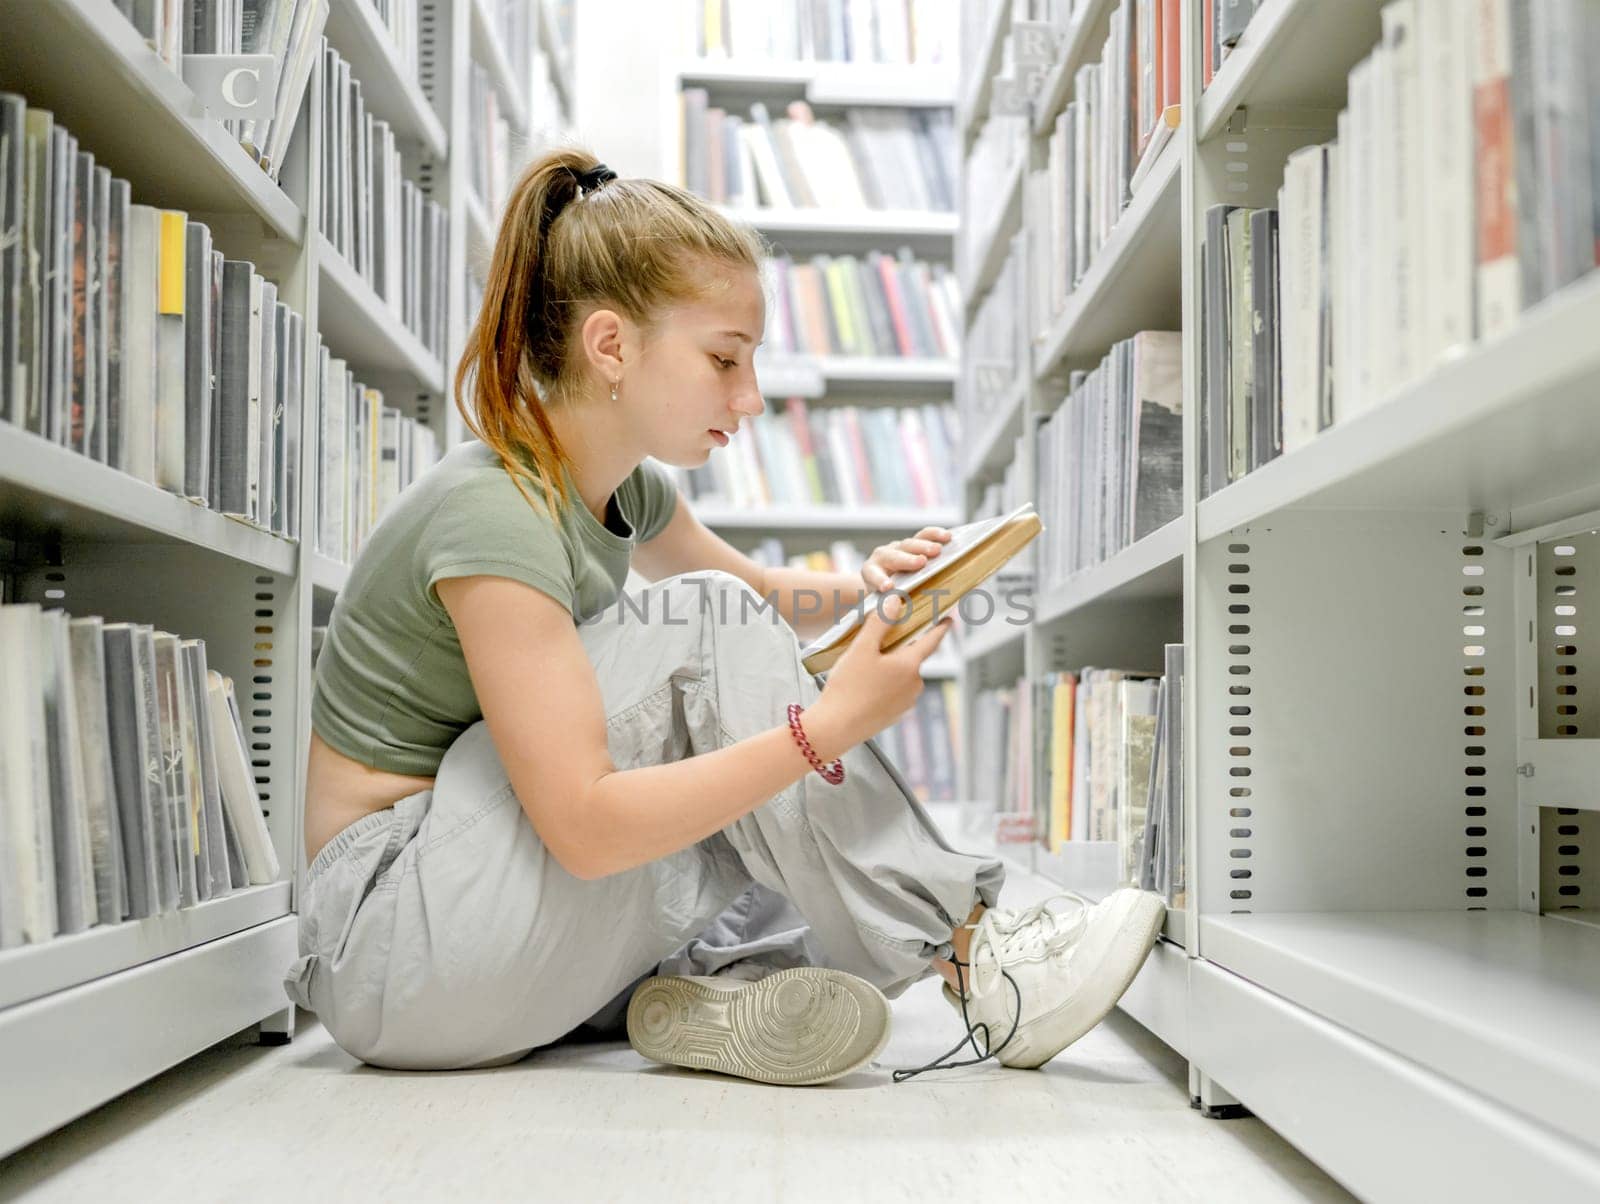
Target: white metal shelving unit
[1390, 948]
[96, 541]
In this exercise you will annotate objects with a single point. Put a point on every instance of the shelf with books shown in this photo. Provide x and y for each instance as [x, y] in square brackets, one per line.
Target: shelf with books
[1500, 1001]
[81, 535]
[31, 971]
[978, 73]
[988, 253]
[1149, 569]
[1489, 446]
[825, 520]
[489, 54]
[1491, 429]
[1086, 36]
[121, 100]
[127, 1027]
[361, 328]
[898, 85]
[327, 574]
[1133, 282]
[389, 88]
[50, 491]
[1292, 53]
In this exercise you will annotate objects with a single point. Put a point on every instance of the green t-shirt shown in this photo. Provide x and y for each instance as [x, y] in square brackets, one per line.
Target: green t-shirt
[391, 687]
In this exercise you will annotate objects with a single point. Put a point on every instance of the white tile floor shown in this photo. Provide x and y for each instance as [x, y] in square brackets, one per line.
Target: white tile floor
[1107, 1120]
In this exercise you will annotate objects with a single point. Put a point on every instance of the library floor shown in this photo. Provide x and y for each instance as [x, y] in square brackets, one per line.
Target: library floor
[1107, 1120]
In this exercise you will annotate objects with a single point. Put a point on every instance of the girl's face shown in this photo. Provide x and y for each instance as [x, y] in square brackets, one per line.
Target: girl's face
[694, 381]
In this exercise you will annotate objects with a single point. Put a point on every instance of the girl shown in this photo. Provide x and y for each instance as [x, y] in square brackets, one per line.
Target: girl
[525, 792]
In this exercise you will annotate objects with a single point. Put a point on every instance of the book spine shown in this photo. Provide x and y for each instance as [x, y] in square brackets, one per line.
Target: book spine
[199, 371]
[1499, 274]
[171, 408]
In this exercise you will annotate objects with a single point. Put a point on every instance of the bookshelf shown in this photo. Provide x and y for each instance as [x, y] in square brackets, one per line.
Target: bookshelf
[93, 540]
[807, 231]
[823, 381]
[1389, 948]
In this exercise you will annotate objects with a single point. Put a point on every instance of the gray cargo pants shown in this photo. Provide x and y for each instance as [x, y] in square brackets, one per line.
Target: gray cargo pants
[440, 933]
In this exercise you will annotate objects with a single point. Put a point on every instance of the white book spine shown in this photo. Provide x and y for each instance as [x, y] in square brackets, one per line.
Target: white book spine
[29, 898]
[139, 341]
[1445, 45]
[253, 425]
[1361, 211]
[1383, 246]
[1404, 188]
[75, 892]
[238, 787]
[1299, 220]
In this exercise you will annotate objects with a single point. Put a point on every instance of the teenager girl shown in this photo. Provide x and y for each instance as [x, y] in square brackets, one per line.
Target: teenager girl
[525, 791]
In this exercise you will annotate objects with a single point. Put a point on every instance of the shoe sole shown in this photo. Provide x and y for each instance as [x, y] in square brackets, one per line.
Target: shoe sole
[1109, 982]
[793, 1028]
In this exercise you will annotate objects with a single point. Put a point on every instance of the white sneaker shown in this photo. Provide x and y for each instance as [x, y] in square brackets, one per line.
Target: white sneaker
[793, 1027]
[1070, 968]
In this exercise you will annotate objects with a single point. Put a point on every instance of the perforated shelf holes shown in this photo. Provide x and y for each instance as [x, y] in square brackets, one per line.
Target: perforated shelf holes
[1241, 703]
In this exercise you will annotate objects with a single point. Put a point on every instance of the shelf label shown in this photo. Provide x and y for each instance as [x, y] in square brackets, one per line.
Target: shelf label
[233, 86]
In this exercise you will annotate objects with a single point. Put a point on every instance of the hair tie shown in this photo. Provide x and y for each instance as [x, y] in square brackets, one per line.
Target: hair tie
[597, 175]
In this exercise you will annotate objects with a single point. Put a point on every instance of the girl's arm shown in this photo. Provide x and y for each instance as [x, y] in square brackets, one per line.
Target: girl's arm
[809, 601]
[542, 702]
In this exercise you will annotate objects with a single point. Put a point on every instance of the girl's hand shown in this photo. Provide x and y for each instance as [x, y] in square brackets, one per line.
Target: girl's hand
[903, 555]
[868, 688]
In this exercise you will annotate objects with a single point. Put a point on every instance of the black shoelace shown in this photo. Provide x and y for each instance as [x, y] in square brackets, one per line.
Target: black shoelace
[939, 1063]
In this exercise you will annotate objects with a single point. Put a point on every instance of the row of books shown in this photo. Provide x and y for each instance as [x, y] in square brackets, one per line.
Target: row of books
[387, 229]
[1463, 187]
[489, 141]
[1110, 457]
[922, 743]
[288, 30]
[1120, 118]
[127, 337]
[996, 342]
[841, 455]
[367, 452]
[1223, 23]
[872, 158]
[840, 556]
[996, 152]
[880, 305]
[1111, 769]
[400, 19]
[125, 778]
[853, 31]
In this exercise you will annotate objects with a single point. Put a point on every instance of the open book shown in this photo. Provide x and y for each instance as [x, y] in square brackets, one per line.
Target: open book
[974, 553]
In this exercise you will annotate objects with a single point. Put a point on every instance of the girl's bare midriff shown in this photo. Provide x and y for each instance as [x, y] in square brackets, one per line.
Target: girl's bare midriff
[340, 790]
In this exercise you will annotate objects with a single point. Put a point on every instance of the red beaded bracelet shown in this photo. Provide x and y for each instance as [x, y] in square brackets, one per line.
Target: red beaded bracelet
[832, 774]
